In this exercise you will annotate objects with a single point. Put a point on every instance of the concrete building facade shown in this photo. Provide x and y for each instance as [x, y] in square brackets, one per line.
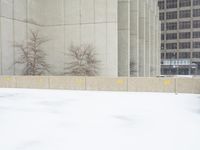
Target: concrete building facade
[180, 47]
[116, 28]
[139, 38]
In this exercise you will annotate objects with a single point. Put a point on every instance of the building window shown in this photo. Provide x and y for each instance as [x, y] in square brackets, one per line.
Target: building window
[171, 36]
[162, 46]
[185, 14]
[162, 27]
[171, 55]
[161, 5]
[171, 46]
[162, 55]
[171, 26]
[184, 3]
[196, 34]
[171, 4]
[184, 35]
[171, 15]
[184, 55]
[196, 2]
[185, 25]
[196, 24]
[196, 12]
[196, 44]
[162, 37]
[184, 45]
[196, 55]
[162, 16]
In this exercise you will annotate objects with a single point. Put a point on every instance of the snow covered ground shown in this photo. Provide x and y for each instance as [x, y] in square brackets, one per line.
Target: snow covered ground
[75, 120]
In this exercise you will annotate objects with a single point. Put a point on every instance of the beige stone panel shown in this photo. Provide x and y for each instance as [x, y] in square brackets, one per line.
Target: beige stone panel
[106, 84]
[151, 85]
[7, 82]
[33, 82]
[185, 85]
[68, 83]
[196, 89]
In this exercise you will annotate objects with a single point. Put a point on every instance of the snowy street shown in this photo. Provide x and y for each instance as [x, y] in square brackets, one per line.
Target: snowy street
[76, 120]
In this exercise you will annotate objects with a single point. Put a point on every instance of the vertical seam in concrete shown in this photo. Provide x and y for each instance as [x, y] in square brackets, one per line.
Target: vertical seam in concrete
[1, 38]
[106, 50]
[80, 5]
[94, 28]
[27, 9]
[13, 17]
[129, 39]
[64, 4]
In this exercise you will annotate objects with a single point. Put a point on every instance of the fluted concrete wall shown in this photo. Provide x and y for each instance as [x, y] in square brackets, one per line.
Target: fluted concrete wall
[17, 17]
[63, 22]
[122, 31]
[139, 27]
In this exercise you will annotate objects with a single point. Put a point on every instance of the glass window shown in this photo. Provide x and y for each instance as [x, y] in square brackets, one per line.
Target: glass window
[162, 16]
[185, 14]
[196, 44]
[184, 45]
[171, 4]
[196, 55]
[185, 25]
[162, 37]
[171, 55]
[171, 36]
[162, 46]
[171, 46]
[184, 35]
[196, 12]
[196, 24]
[171, 26]
[196, 2]
[196, 34]
[161, 5]
[162, 27]
[171, 15]
[162, 55]
[184, 55]
[184, 3]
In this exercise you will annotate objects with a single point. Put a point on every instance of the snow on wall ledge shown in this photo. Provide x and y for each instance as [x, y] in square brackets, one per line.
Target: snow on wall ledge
[166, 85]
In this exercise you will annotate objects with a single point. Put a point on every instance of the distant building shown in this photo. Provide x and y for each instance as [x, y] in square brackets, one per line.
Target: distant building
[125, 33]
[180, 46]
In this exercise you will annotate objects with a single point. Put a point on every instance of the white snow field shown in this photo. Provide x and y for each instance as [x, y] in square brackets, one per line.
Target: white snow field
[75, 120]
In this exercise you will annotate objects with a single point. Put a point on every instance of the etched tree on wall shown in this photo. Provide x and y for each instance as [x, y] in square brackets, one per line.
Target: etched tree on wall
[83, 61]
[32, 56]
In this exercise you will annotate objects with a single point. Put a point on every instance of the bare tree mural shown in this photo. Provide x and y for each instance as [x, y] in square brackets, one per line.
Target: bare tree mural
[83, 61]
[32, 56]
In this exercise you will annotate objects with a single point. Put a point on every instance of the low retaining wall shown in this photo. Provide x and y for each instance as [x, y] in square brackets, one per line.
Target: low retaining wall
[164, 85]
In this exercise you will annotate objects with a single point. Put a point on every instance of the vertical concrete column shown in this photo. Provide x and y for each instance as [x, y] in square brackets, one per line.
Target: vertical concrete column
[142, 44]
[153, 41]
[158, 44]
[124, 37]
[147, 39]
[134, 37]
[0, 41]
